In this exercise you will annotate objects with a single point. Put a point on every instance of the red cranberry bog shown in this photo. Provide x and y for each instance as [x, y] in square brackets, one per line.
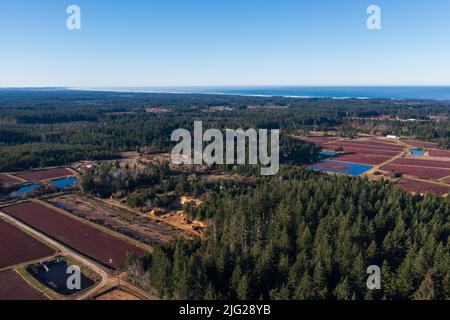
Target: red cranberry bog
[8, 179]
[440, 153]
[365, 152]
[422, 172]
[13, 287]
[422, 187]
[428, 172]
[102, 246]
[18, 247]
[44, 174]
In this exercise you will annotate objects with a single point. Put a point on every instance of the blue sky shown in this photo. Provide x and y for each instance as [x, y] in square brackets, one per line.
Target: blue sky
[224, 42]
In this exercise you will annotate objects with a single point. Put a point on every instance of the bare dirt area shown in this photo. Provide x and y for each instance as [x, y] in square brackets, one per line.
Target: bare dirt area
[179, 220]
[218, 177]
[157, 110]
[127, 222]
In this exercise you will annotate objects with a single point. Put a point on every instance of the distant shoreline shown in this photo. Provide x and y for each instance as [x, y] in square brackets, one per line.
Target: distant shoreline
[394, 93]
[337, 93]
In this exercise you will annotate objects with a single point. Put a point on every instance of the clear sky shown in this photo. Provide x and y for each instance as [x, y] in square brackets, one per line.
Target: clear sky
[224, 42]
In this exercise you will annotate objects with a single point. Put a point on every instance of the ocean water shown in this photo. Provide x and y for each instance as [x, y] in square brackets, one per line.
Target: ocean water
[394, 92]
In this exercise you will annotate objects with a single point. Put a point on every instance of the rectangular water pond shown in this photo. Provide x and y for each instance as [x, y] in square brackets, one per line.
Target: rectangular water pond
[65, 183]
[353, 169]
[417, 152]
[328, 154]
[24, 190]
[54, 275]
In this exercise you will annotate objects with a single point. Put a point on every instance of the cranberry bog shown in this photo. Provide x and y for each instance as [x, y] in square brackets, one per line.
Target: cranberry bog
[90, 241]
[370, 159]
[8, 180]
[367, 146]
[18, 247]
[316, 140]
[45, 174]
[421, 144]
[440, 153]
[422, 163]
[422, 187]
[415, 171]
[14, 288]
[365, 152]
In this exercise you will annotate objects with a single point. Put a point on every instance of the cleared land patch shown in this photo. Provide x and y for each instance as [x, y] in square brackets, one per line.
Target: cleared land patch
[99, 245]
[138, 227]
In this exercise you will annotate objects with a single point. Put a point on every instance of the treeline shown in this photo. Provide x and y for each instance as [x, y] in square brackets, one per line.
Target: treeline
[306, 235]
[422, 130]
[64, 119]
[29, 156]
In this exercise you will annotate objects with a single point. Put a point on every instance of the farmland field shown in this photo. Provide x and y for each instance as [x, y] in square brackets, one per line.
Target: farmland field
[363, 150]
[420, 144]
[419, 172]
[366, 144]
[99, 245]
[422, 163]
[17, 247]
[13, 287]
[317, 140]
[44, 174]
[369, 159]
[440, 153]
[7, 179]
[422, 187]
